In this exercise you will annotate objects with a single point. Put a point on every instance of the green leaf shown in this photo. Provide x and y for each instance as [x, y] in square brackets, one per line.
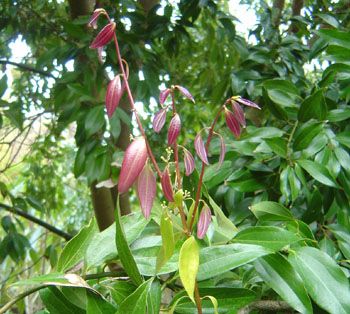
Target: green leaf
[338, 115]
[278, 145]
[115, 125]
[154, 297]
[324, 280]
[216, 260]
[313, 107]
[343, 158]
[271, 211]
[214, 175]
[277, 272]
[270, 237]
[98, 305]
[56, 302]
[95, 120]
[136, 303]
[102, 246]
[3, 85]
[305, 134]
[168, 242]
[124, 252]
[247, 185]
[344, 138]
[329, 19]
[75, 249]
[318, 172]
[188, 265]
[336, 37]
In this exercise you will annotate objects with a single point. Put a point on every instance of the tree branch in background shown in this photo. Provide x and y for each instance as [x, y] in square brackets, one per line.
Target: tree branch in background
[20, 212]
[277, 8]
[27, 68]
[297, 5]
[266, 305]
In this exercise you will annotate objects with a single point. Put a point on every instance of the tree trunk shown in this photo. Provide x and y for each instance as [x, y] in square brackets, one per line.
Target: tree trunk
[296, 9]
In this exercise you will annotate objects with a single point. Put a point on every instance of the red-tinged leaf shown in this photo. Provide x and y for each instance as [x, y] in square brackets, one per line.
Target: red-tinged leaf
[99, 55]
[114, 93]
[222, 150]
[146, 190]
[167, 186]
[237, 109]
[159, 120]
[247, 102]
[174, 129]
[232, 123]
[94, 17]
[104, 36]
[163, 95]
[184, 92]
[133, 162]
[189, 162]
[203, 222]
[200, 149]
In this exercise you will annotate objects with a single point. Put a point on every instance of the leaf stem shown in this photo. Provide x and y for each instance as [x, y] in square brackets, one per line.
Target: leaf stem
[200, 183]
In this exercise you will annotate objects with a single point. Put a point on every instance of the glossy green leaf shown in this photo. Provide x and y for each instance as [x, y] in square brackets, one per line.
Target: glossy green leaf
[75, 250]
[343, 158]
[313, 107]
[278, 145]
[344, 138]
[188, 265]
[124, 252]
[3, 85]
[98, 305]
[154, 297]
[94, 120]
[136, 303]
[168, 242]
[270, 237]
[216, 260]
[305, 134]
[324, 280]
[277, 272]
[271, 211]
[318, 172]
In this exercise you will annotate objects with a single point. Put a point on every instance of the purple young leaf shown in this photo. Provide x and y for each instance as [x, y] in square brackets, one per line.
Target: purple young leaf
[104, 36]
[146, 190]
[166, 185]
[203, 222]
[247, 102]
[200, 149]
[189, 162]
[163, 95]
[94, 17]
[159, 120]
[174, 129]
[237, 109]
[133, 162]
[232, 123]
[113, 95]
[185, 92]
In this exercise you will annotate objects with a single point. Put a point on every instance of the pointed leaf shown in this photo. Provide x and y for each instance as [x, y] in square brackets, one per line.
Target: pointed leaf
[189, 162]
[188, 265]
[203, 222]
[200, 149]
[164, 95]
[184, 92]
[271, 211]
[247, 102]
[159, 120]
[168, 242]
[166, 185]
[237, 109]
[174, 129]
[232, 123]
[146, 190]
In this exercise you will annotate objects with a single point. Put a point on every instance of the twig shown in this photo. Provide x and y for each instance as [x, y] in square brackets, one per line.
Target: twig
[266, 305]
[27, 68]
[44, 224]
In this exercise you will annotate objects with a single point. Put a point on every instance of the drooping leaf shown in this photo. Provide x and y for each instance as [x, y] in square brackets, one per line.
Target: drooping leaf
[271, 211]
[168, 242]
[313, 107]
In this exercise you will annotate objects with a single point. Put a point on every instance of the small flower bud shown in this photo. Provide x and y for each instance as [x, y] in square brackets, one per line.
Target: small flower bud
[174, 129]
[189, 162]
[146, 190]
[133, 162]
[167, 186]
[200, 149]
[159, 120]
[104, 36]
[232, 123]
[203, 222]
[113, 95]
[184, 92]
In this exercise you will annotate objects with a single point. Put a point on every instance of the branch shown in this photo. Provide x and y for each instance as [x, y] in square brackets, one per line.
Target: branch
[266, 305]
[38, 221]
[27, 68]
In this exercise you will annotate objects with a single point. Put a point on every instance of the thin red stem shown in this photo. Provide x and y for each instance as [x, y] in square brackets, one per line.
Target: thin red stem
[132, 104]
[200, 183]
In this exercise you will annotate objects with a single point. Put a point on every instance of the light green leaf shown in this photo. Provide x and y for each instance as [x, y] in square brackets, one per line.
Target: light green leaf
[318, 172]
[343, 157]
[305, 134]
[216, 260]
[154, 298]
[168, 242]
[271, 211]
[75, 249]
[124, 252]
[188, 265]
[276, 271]
[344, 138]
[136, 303]
[324, 280]
[270, 237]
[278, 145]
